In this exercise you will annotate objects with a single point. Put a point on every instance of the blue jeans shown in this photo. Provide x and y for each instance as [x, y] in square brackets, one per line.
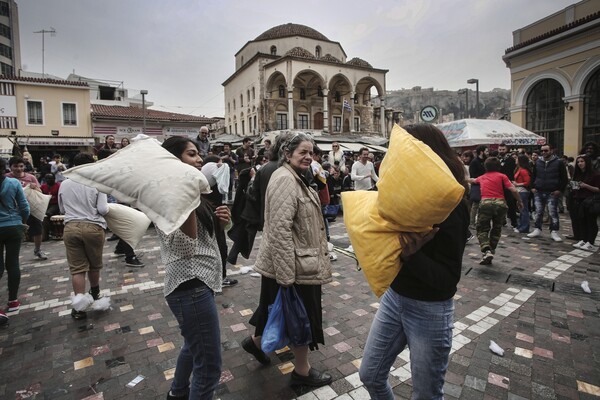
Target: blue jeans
[524, 216]
[541, 199]
[198, 319]
[426, 327]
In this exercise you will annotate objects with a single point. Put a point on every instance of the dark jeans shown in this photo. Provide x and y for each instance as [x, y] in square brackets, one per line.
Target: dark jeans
[585, 225]
[125, 248]
[10, 238]
[200, 356]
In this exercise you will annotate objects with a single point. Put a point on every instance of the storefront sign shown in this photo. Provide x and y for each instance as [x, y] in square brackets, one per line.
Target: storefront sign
[187, 132]
[8, 106]
[129, 130]
[56, 141]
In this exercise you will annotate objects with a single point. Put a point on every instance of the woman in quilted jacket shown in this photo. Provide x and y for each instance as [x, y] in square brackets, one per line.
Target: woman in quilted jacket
[293, 251]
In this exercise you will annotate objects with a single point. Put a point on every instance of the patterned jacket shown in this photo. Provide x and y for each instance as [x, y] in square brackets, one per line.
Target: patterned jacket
[294, 246]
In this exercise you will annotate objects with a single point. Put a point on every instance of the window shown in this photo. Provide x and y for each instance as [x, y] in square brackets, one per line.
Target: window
[248, 96]
[356, 124]
[234, 104]
[69, 114]
[281, 91]
[302, 121]
[337, 123]
[250, 125]
[255, 126]
[243, 128]
[546, 112]
[318, 51]
[302, 94]
[337, 97]
[273, 50]
[6, 70]
[228, 107]
[282, 121]
[5, 31]
[236, 131]
[35, 113]
[253, 94]
[591, 111]
[4, 9]
[5, 51]
[241, 100]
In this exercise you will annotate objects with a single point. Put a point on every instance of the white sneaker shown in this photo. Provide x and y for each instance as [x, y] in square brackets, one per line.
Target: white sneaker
[555, 236]
[588, 247]
[578, 244]
[535, 233]
[40, 255]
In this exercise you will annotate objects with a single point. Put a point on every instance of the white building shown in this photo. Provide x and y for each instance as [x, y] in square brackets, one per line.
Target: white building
[293, 77]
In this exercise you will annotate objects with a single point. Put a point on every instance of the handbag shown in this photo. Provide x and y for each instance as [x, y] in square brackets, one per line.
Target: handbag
[331, 210]
[274, 335]
[296, 318]
[592, 204]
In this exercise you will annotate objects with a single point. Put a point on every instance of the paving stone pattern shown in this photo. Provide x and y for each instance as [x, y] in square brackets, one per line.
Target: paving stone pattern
[529, 301]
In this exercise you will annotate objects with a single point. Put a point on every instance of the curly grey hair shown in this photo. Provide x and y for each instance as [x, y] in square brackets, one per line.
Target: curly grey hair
[289, 141]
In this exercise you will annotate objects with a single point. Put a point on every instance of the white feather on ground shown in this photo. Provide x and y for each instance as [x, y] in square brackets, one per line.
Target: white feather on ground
[586, 287]
[245, 270]
[81, 301]
[101, 304]
[496, 349]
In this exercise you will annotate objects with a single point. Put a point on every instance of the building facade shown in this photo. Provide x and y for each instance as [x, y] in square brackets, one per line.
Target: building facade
[46, 116]
[10, 47]
[293, 77]
[555, 76]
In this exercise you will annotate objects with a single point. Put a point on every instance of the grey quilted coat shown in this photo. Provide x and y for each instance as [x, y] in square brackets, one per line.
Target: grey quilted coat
[294, 246]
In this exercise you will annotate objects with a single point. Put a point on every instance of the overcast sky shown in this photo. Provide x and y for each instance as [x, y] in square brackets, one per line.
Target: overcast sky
[181, 51]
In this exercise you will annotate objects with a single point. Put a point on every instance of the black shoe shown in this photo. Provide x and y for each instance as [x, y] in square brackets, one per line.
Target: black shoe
[229, 282]
[134, 262]
[250, 347]
[78, 314]
[314, 378]
[96, 297]
[171, 397]
[113, 237]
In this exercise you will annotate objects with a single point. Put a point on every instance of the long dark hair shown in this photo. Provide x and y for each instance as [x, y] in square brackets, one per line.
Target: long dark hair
[176, 145]
[435, 139]
[523, 162]
[578, 174]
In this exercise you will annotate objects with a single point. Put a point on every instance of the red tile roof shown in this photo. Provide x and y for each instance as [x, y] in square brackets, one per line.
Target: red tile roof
[43, 80]
[121, 112]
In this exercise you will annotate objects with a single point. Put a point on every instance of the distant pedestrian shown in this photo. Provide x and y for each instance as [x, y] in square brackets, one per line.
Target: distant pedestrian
[585, 185]
[203, 142]
[363, 172]
[522, 183]
[14, 211]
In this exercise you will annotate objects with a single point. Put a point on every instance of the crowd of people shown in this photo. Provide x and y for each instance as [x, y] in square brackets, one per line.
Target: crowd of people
[521, 187]
[290, 190]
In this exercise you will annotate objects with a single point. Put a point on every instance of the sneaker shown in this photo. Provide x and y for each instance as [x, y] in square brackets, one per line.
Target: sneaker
[536, 233]
[78, 314]
[315, 378]
[3, 319]
[170, 396]
[516, 230]
[13, 305]
[578, 244]
[555, 236]
[229, 282]
[588, 247]
[487, 258]
[40, 255]
[134, 262]
[249, 346]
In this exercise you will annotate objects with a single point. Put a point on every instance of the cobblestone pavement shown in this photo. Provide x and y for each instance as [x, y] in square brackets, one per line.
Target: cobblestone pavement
[529, 302]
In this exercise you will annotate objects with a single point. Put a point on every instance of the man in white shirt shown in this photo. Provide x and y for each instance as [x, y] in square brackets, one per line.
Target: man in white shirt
[83, 208]
[363, 172]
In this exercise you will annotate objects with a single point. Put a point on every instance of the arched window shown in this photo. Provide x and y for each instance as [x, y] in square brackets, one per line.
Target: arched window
[228, 107]
[281, 91]
[273, 50]
[241, 100]
[253, 93]
[234, 104]
[318, 51]
[337, 97]
[302, 94]
[546, 112]
[591, 109]
[248, 96]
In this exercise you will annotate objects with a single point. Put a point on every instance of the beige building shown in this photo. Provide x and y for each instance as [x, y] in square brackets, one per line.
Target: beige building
[47, 116]
[555, 76]
[293, 77]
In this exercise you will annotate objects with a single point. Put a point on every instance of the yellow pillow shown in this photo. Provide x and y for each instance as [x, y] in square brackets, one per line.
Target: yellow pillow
[416, 188]
[376, 242]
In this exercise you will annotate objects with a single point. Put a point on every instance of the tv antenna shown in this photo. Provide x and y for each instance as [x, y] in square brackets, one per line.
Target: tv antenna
[52, 33]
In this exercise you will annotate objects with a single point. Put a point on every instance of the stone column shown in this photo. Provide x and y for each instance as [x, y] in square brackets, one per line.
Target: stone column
[382, 114]
[325, 111]
[290, 90]
[352, 112]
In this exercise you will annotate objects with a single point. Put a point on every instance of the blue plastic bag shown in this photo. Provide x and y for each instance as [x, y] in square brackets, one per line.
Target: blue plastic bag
[296, 319]
[274, 335]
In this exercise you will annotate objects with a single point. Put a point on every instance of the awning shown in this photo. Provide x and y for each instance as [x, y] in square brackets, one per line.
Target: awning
[353, 147]
[377, 149]
[55, 141]
[325, 147]
[473, 132]
[5, 146]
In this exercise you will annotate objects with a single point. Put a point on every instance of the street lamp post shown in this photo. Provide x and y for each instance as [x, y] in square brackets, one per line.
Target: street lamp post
[144, 93]
[476, 82]
[466, 93]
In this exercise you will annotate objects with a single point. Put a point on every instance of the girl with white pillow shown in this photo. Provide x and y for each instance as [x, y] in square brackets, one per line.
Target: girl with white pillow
[192, 276]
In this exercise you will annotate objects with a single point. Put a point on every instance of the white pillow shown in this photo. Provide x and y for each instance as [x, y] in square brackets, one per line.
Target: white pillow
[149, 178]
[127, 223]
[38, 202]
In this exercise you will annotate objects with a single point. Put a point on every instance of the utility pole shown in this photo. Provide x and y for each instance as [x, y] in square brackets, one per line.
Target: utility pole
[52, 33]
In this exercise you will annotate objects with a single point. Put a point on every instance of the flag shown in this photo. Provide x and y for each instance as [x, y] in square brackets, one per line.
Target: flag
[347, 105]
